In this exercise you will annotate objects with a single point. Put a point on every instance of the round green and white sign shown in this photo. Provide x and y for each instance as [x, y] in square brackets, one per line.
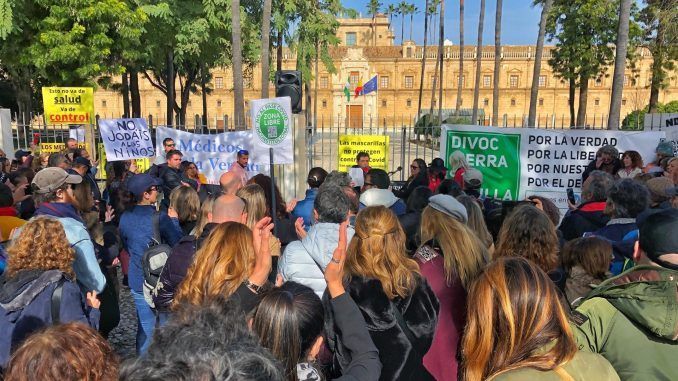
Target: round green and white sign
[272, 123]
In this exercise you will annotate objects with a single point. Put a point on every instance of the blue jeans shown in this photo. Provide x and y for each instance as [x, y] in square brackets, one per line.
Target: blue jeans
[145, 322]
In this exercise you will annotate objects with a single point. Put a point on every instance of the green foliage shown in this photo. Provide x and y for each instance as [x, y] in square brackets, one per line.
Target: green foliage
[636, 120]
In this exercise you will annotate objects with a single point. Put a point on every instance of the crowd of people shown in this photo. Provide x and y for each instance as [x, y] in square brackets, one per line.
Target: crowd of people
[428, 281]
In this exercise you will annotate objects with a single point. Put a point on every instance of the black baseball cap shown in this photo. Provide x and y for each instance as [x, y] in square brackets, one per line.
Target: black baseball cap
[658, 235]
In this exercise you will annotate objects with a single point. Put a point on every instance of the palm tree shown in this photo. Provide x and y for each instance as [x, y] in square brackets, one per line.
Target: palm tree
[423, 60]
[479, 59]
[497, 61]
[373, 8]
[436, 80]
[412, 9]
[403, 7]
[238, 96]
[265, 47]
[460, 80]
[534, 92]
[619, 64]
[440, 53]
[391, 10]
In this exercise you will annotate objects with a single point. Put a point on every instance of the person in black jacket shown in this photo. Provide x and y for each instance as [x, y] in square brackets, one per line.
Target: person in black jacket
[588, 216]
[410, 221]
[171, 176]
[293, 311]
[418, 177]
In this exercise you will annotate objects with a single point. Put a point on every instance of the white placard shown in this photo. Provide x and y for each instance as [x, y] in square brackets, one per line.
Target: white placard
[272, 128]
[126, 139]
[213, 154]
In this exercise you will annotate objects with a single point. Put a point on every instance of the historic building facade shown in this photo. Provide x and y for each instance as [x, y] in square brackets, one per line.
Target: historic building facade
[367, 49]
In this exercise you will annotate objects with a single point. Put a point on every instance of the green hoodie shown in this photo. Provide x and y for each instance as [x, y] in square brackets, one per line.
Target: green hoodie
[632, 320]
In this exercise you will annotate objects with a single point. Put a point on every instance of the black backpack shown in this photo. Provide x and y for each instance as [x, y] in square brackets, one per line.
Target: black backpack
[153, 260]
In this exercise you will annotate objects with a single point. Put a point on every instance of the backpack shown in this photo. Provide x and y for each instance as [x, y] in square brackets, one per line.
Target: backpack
[153, 261]
[13, 336]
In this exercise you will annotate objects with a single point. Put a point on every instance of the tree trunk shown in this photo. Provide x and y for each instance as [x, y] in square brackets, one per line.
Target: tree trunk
[658, 58]
[423, 62]
[238, 91]
[440, 49]
[583, 98]
[460, 80]
[279, 47]
[613, 121]
[571, 100]
[534, 91]
[265, 47]
[170, 89]
[435, 83]
[315, 85]
[308, 103]
[479, 59]
[135, 96]
[402, 28]
[411, 18]
[125, 95]
[497, 63]
[203, 87]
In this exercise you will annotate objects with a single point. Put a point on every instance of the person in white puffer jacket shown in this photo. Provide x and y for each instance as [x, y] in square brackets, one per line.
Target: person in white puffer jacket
[304, 261]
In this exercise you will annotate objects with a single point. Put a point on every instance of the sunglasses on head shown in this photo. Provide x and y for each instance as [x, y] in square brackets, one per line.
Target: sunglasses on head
[243, 152]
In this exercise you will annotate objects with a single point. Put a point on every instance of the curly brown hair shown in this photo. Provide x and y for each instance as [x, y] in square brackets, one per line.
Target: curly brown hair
[528, 232]
[71, 351]
[41, 245]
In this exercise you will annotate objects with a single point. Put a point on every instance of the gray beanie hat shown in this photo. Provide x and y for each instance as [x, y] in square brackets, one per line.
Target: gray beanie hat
[450, 206]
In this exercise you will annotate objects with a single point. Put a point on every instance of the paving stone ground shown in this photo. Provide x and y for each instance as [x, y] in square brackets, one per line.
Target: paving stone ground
[123, 337]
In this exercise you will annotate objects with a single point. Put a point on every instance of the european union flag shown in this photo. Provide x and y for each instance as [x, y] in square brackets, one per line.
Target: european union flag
[370, 86]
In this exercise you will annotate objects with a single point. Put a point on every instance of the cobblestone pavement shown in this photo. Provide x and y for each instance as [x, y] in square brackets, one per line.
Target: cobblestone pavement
[123, 337]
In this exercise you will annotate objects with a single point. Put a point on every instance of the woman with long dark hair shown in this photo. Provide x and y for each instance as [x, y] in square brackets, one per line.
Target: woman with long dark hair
[418, 177]
[517, 329]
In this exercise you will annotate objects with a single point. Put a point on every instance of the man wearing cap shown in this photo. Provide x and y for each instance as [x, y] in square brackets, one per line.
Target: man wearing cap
[473, 180]
[53, 194]
[239, 168]
[632, 319]
[136, 232]
[23, 158]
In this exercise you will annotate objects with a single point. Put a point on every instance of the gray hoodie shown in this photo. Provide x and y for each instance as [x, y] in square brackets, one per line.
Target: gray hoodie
[305, 261]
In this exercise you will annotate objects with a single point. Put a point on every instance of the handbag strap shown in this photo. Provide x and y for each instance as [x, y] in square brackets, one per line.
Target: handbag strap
[563, 374]
[56, 301]
[156, 227]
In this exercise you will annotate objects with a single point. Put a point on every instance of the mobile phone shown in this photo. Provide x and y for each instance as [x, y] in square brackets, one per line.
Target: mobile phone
[570, 196]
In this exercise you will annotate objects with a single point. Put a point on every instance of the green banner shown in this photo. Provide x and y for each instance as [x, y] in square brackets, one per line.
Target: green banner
[495, 155]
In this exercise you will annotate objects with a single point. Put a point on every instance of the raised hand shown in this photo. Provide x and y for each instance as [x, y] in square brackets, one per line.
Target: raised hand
[299, 228]
[110, 214]
[334, 272]
[92, 300]
[291, 204]
[261, 235]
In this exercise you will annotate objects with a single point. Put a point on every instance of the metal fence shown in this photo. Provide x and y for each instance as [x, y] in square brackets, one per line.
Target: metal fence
[321, 141]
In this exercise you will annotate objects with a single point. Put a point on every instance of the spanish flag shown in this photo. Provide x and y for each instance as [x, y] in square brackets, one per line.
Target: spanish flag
[347, 90]
[359, 88]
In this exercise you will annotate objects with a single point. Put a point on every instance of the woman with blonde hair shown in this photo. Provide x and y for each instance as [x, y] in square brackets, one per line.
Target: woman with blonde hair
[458, 165]
[517, 329]
[233, 261]
[203, 217]
[40, 265]
[476, 221]
[450, 258]
[397, 303]
[255, 207]
[186, 203]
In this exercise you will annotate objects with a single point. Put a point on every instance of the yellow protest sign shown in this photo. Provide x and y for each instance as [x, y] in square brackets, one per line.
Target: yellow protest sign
[375, 145]
[68, 105]
[57, 147]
